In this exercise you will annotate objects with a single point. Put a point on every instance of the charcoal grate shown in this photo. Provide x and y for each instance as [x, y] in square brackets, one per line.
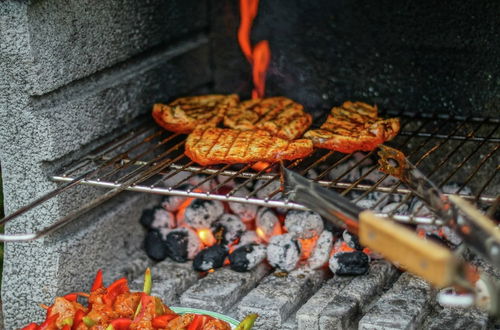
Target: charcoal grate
[148, 159]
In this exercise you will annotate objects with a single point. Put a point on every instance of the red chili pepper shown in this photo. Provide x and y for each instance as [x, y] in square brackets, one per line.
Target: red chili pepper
[116, 288]
[121, 324]
[78, 318]
[97, 281]
[31, 326]
[162, 320]
[66, 327]
[71, 297]
[50, 323]
[198, 322]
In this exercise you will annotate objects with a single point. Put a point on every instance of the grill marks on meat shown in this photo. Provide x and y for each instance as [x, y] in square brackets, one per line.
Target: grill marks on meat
[352, 127]
[280, 116]
[186, 113]
[208, 146]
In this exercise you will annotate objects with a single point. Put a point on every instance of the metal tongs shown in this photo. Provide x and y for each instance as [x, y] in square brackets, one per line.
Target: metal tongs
[397, 243]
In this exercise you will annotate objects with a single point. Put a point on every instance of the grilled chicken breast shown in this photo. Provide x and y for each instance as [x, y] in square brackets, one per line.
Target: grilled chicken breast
[353, 126]
[184, 114]
[208, 145]
[278, 115]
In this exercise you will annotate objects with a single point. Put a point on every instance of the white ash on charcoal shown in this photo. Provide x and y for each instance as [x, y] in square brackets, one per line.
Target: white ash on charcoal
[419, 209]
[210, 258]
[321, 252]
[453, 187]
[157, 218]
[182, 244]
[228, 228]
[247, 212]
[267, 223]
[231, 183]
[264, 190]
[247, 257]
[375, 175]
[173, 203]
[395, 207]
[349, 263]
[197, 179]
[352, 240]
[175, 179]
[451, 236]
[304, 224]
[249, 236]
[283, 252]
[201, 213]
[339, 172]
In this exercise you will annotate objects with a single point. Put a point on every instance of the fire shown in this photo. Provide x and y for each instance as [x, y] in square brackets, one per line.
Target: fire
[307, 246]
[206, 237]
[277, 230]
[260, 56]
[342, 247]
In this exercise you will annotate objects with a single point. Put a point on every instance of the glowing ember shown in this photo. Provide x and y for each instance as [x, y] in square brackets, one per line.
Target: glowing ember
[206, 237]
[306, 247]
[260, 56]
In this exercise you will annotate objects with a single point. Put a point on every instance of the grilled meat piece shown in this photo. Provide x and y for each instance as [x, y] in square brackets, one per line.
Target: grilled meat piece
[208, 146]
[353, 126]
[184, 114]
[278, 115]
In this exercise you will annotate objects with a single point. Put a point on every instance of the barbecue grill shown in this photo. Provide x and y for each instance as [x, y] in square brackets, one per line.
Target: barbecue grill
[79, 144]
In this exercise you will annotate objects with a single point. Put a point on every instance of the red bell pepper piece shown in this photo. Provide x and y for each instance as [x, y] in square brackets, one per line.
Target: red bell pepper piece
[121, 324]
[78, 318]
[198, 322]
[31, 326]
[162, 320]
[50, 323]
[97, 281]
[71, 297]
[66, 327]
[116, 288]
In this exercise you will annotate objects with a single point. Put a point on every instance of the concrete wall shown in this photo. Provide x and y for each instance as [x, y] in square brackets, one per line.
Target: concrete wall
[72, 75]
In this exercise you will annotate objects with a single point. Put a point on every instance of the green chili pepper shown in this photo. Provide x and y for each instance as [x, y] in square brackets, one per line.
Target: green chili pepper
[88, 321]
[247, 322]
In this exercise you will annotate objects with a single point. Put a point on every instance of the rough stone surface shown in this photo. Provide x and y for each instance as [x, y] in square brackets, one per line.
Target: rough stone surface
[170, 279]
[222, 289]
[277, 297]
[449, 318]
[404, 306]
[56, 104]
[345, 309]
[73, 39]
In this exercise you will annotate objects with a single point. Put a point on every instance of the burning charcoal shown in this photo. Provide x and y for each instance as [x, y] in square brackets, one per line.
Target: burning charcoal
[349, 263]
[419, 209]
[174, 180]
[453, 187]
[247, 257]
[304, 224]
[352, 240]
[173, 203]
[223, 178]
[229, 226]
[403, 209]
[264, 192]
[246, 212]
[376, 175]
[267, 224]
[371, 199]
[283, 252]
[202, 213]
[155, 246]
[451, 236]
[182, 244]
[157, 218]
[210, 258]
[321, 251]
[248, 237]
[205, 186]
[338, 171]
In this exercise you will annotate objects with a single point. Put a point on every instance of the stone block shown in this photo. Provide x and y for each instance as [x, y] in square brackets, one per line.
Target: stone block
[404, 306]
[222, 289]
[277, 297]
[73, 39]
[451, 318]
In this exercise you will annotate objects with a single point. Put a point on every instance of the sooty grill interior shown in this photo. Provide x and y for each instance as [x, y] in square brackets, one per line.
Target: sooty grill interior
[80, 80]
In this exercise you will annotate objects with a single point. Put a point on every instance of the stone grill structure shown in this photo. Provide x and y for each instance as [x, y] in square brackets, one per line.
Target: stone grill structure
[74, 74]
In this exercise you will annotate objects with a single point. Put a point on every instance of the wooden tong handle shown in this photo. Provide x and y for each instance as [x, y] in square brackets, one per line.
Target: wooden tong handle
[400, 245]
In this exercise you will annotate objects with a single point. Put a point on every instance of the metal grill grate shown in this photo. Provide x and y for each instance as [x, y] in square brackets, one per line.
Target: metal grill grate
[148, 159]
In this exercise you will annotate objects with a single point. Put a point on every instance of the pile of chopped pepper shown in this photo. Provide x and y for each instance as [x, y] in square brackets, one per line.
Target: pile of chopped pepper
[117, 308]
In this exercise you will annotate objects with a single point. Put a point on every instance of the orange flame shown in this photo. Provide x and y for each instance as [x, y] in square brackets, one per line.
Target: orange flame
[307, 246]
[277, 230]
[206, 237]
[260, 56]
